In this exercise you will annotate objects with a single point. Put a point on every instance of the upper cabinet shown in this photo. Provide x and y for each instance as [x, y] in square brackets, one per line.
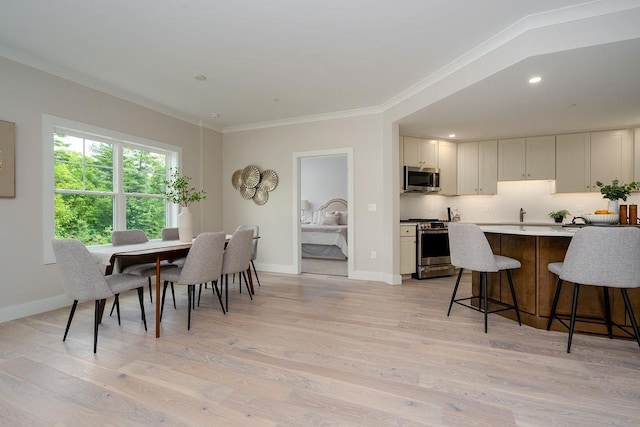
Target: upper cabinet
[478, 167]
[418, 152]
[526, 158]
[447, 161]
[584, 158]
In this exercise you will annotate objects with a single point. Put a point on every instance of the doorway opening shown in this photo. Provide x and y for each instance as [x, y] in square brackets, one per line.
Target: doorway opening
[324, 220]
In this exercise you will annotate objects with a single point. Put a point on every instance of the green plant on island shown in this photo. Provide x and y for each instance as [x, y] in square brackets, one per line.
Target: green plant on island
[559, 214]
[617, 190]
[179, 191]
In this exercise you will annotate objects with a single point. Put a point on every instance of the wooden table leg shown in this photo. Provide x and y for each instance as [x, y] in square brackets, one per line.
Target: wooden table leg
[158, 296]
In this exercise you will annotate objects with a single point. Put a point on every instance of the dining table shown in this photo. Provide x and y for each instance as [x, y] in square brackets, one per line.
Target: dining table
[108, 257]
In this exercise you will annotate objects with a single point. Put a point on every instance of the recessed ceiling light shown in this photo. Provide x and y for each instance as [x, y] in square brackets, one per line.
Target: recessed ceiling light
[452, 135]
[200, 77]
[535, 79]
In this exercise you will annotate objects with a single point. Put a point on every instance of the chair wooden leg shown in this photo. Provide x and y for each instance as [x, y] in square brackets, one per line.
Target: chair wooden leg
[150, 292]
[116, 302]
[164, 292]
[73, 311]
[216, 292]
[189, 291]
[173, 294]
[513, 296]
[455, 289]
[141, 299]
[226, 291]
[246, 282]
[483, 285]
[556, 297]
[632, 317]
[574, 307]
[255, 272]
[607, 312]
[96, 318]
[199, 294]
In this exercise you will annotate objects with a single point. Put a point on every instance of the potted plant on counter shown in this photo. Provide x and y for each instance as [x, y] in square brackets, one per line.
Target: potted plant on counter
[178, 191]
[615, 191]
[558, 216]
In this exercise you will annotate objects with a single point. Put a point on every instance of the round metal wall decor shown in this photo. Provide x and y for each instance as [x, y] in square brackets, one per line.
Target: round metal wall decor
[261, 196]
[247, 192]
[236, 179]
[269, 180]
[251, 176]
[255, 185]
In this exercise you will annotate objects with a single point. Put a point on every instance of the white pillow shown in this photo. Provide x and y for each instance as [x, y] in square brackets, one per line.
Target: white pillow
[329, 219]
[342, 217]
[315, 219]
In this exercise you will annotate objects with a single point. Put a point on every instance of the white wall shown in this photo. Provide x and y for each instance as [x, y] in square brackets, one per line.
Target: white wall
[28, 286]
[537, 198]
[274, 148]
[323, 178]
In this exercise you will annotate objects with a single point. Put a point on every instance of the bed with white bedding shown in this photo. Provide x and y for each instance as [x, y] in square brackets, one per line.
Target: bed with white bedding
[326, 235]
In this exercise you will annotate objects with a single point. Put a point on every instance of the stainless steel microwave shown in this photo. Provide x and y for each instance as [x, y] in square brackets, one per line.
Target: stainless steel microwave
[421, 180]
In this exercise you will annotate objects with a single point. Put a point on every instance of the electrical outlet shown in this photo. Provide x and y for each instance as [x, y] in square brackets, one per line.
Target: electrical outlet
[372, 207]
[579, 209]
[374, 255]
[485, 209]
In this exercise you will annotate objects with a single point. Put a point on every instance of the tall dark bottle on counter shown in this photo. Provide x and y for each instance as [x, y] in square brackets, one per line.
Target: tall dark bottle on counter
[623, 214]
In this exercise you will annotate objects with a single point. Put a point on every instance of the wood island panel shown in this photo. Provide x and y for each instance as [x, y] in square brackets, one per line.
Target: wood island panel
[535, 286]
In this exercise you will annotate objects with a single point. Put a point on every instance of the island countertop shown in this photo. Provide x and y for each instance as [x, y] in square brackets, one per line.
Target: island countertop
[529, 230]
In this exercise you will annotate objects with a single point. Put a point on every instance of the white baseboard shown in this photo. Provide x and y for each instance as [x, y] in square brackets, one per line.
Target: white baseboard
[33, 307]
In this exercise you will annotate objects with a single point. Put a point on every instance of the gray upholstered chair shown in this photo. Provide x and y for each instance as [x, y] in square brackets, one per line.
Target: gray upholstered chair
[237, 259]
[203, 264]
[470, 250]
[83, 280]
[599, 256]
[146, 269]
[254, 245]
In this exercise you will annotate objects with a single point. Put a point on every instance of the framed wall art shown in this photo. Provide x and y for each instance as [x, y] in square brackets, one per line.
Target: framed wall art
[7, 159]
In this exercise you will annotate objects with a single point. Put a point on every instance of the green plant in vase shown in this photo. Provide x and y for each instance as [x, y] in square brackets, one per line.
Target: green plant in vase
[616, 191]
[179, 191]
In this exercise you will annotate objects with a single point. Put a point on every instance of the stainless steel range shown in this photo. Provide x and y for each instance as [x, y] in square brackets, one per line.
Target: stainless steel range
[432, 246]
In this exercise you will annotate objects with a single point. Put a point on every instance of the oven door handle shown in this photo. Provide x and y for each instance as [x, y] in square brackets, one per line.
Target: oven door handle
[434, 231]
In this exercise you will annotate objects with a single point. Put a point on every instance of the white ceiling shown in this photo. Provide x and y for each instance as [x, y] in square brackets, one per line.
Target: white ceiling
[277, 60]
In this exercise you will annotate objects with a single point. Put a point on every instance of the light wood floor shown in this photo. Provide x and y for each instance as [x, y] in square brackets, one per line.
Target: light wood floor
[313, 350]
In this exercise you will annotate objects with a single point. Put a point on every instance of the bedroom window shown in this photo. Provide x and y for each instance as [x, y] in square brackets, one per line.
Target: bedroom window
[103, 181]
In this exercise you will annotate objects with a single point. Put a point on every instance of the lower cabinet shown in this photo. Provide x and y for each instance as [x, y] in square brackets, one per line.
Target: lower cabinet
[407, 249]
[535, 286]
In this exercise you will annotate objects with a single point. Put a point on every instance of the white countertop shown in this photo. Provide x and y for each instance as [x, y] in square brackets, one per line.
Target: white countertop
[530, 230]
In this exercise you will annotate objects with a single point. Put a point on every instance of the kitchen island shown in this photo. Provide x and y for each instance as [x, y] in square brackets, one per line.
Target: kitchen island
[535, 247]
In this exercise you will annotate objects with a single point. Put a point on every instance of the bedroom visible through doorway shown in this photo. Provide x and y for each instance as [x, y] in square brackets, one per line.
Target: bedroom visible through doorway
[324, 214]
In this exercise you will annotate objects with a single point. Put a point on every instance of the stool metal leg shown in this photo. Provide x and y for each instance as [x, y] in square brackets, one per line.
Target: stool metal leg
[483, 280]
[455, 290]
[513, 296]
[572, 325]
[556, 297]
[627, 305]
[607, 312]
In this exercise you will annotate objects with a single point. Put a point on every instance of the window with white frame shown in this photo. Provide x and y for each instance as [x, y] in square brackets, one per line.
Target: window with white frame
[105, 181]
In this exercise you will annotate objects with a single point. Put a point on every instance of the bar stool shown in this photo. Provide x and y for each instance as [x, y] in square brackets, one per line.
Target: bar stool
[599, 256]
[470, 250]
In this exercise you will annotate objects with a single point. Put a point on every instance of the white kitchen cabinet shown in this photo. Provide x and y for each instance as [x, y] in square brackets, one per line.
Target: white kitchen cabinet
[447, 161]
[584, 158]
[407, 249]
[419, 152]
[478, 167]
[526, 158]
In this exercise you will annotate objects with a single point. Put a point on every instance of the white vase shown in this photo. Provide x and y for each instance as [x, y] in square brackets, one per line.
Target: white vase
[185, 225]
[613, 206]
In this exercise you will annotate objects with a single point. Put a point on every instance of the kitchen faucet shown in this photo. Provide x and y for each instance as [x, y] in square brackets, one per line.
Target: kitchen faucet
[522, 212]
